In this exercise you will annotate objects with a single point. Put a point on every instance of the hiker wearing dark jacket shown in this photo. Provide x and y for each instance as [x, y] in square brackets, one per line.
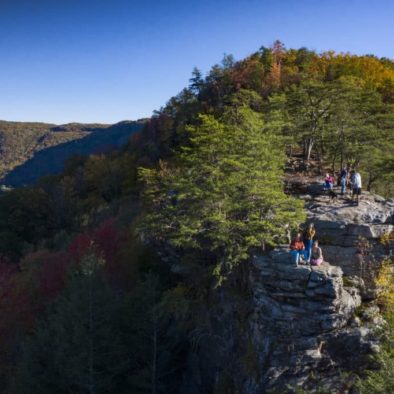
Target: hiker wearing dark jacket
[309, 235]
[343, 180]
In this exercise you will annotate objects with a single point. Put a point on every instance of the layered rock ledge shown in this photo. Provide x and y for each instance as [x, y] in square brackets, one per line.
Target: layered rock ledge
[303, 325]
[310, 324]
[351, 236]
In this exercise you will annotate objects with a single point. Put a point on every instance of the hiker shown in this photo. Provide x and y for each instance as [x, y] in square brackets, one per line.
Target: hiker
[329, 182]
[309, 234]
[356, 186]
[343, 180]
[316, 254]
[297, 249]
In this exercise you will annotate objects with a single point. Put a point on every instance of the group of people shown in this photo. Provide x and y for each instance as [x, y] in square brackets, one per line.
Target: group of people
[346, 178]
[305, 247]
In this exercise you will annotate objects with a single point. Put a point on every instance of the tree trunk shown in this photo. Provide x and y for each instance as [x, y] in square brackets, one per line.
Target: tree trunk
[371, 180]
[291, 151]
[91, 369]
[333, 165]
[334, 159]
[308, 149]
[341, 157]
[321, 156]
[154, 357]
[154, 346]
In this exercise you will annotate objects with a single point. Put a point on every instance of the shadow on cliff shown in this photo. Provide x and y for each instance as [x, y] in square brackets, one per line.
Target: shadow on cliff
[50, 161]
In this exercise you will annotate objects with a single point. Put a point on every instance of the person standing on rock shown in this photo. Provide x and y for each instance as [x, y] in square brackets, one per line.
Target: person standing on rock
[356, 186]
[297, 249]
[343, 180]
[316, 254]
[309, 234]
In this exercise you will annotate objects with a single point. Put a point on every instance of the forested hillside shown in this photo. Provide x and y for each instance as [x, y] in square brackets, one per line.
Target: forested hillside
[21, 142]
[129, 271]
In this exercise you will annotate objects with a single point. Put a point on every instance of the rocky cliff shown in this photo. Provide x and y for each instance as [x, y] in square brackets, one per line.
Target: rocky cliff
[354, 237]
[314, 327]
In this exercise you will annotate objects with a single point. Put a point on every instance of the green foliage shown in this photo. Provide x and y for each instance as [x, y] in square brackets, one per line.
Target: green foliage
[212, 163]
[21, 140]
[105, 176]
[59, 205]
[345, 122]
[25, 218]
[78, 347]
[308, 105]
[336, 107]
[381, 380]
[225, 194]
[155, 340]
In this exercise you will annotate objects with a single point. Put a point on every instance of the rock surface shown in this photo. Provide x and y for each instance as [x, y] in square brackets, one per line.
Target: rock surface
[351, 236]
[310, 324]
[303, 324]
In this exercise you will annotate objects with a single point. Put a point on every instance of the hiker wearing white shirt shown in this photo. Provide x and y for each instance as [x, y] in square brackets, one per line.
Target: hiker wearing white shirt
[356, 185]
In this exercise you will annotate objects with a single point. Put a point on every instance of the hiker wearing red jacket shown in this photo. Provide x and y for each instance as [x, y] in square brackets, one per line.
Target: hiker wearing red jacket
[297, 249]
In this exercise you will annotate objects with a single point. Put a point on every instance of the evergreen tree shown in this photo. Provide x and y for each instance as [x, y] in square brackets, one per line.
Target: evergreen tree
[225, 195]
[196, 81]
[355, 124]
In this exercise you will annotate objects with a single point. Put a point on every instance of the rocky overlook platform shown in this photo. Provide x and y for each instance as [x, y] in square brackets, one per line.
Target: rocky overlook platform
[354, 237]
[308, 324]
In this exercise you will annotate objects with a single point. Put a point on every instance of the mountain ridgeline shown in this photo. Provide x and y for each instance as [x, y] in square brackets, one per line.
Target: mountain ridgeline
[29, 151]
[141, 269]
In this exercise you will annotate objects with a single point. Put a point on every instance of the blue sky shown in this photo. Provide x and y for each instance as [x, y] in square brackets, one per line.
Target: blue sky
[110, 60]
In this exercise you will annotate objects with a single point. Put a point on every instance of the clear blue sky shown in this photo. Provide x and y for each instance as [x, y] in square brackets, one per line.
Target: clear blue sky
[109, 60]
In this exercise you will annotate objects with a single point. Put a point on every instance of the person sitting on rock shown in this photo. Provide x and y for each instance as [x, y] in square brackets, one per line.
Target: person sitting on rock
[297, 249]
[309, 234]
[329, 181]
[316, 254]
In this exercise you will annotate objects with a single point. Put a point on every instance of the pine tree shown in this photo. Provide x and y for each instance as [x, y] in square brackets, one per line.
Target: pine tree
[196, 81]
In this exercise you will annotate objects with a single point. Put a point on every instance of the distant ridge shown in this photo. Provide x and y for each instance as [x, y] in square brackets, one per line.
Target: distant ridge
[31, 150]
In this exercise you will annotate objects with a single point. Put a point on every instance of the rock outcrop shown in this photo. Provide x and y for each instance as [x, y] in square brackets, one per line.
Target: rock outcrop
[303, 325]
[351, 236]
[308, 325]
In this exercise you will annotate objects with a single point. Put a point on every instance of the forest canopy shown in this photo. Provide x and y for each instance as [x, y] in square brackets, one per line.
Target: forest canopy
[121, 262]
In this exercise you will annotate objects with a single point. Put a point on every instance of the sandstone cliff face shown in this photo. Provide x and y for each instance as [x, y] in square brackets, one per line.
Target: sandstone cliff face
[308, 324]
